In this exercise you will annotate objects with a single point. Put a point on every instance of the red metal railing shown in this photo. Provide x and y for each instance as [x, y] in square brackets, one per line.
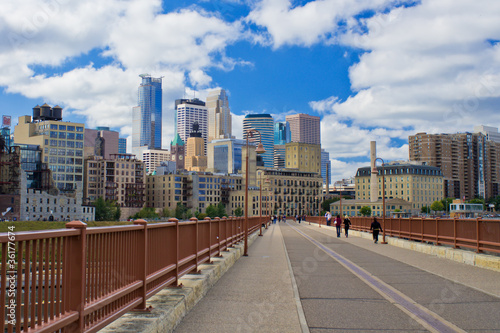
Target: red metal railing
[478, 234]
[80, 280]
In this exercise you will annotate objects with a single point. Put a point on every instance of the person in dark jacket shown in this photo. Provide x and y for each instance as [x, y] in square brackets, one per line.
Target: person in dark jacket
[376, 227]
[347, 224]
[338, 224]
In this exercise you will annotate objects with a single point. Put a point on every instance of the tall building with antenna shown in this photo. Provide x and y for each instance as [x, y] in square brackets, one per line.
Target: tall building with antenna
[219, 115]
[147, 116]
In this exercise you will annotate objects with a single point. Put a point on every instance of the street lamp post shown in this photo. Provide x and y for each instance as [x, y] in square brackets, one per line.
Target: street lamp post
[260, 203]
[259, 150]
[383, 200]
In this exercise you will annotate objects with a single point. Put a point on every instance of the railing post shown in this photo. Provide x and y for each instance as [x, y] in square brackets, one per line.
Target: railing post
[455, 232]
[422, 230]
[142, 268]
[437, 232]
[209, 220]
[224, 223]
[176, 248]
[75, 264]
[477, 235]
[217, 219]
[195, 220]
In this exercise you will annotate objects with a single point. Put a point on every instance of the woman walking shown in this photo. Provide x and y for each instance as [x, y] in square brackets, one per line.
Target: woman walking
[376, 227]
[347, 224]
[338, 225]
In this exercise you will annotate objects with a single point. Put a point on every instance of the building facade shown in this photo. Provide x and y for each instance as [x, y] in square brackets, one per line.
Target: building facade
[195, 160]
[177, 152]
[152, 158]
[263, 123]
[62, 144]
[147, 116]
[100, 142]
[469, 162]
[326, 168]
[122, 145]
[219, 115]
[282, 134]
[419, 185]
[188, 112]
[121, 178]
[279, 156]
[305, 128]
[225, 156]
[303, 157]
[352, 207]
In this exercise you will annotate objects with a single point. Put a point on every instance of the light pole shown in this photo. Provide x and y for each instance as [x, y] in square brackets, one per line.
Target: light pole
[259, 150]
[260, 203]
[383, 200]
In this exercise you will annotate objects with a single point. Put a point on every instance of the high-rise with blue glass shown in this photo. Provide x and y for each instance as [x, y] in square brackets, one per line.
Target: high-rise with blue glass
[282, 134]
[264, 123]
[147, 116]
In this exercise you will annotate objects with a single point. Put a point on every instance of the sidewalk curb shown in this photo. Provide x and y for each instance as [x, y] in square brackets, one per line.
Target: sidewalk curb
[171, 305]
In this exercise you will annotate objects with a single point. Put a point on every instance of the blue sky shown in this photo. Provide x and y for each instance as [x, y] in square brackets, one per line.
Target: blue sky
[371, 69]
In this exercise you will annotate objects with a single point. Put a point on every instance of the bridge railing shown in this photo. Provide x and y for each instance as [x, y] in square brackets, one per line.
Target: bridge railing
[481, 235]
[80, 280]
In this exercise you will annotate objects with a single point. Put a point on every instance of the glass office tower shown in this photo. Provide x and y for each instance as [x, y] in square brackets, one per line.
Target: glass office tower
[264, 123]
[147, 116]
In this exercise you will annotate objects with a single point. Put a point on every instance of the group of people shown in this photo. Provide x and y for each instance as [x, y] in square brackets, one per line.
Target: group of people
[337, 222]
[278, 218]
[375, 227]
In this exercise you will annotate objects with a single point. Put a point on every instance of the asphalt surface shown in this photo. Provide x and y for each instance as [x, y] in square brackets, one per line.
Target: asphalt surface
[345, 285]
[339, 298]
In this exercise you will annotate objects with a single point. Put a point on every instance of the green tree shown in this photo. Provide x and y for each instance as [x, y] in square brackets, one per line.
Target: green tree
[221, 210]
[146, 213]
[325, 205]
[495, 201]
[211, 211]
[365, 211]
[180, 211]
[425, 210]
[165, 212]
[437, 206]
[118, 212]
[106, 210]
[238, 211]
[477, 201]
[446, 203]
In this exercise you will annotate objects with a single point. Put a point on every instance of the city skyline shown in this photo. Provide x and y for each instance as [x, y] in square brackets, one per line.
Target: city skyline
[363, 68]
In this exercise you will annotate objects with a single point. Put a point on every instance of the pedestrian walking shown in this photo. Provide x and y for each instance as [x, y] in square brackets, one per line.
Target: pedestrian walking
[376, 227]
[299, 217]
[328, 217]
[338, 225]
[275, 218]
[347, 224]
[284, 218]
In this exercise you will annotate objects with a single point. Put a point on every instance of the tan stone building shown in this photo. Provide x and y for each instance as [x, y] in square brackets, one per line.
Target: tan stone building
[62, 144]
[303, 157]
[470, 163]
[195, 160]
[121, 178]
[351, 207]
[419, 185]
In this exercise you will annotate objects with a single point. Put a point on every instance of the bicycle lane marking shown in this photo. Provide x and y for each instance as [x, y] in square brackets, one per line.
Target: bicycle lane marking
[421, 314]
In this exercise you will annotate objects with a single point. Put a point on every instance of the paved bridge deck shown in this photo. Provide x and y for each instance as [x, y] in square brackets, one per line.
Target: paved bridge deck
[345, 284]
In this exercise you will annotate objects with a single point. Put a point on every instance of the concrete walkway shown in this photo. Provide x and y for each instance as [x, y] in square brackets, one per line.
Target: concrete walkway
[257, 294]
[485, 280]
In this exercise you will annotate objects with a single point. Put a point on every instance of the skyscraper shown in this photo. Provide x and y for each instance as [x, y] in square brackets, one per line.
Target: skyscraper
[147, 116]
[264, 123]
[219, 115]
[188, 112]
[326, 167]
[282, 134]
[305, 128]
